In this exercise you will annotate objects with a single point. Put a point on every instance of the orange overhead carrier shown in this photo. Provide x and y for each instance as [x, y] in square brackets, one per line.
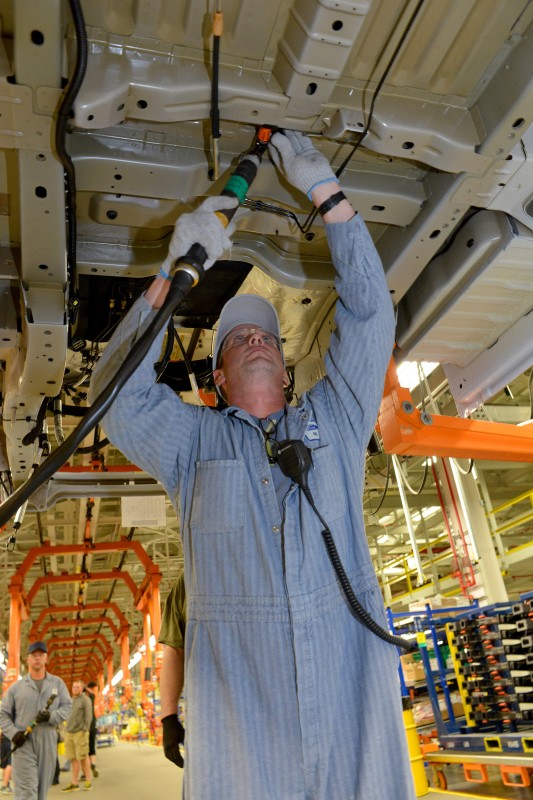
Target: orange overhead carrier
[73, 643]
[100, 606]
[146, 598]
[85, 621]
[405, 430]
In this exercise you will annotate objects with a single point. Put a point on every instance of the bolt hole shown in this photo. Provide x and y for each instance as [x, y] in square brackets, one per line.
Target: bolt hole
[254, 113]
[337, 25]
[518, 123]
[43, 266]
[408, 145]
[434, 234]
[37, 37]
[309, 237]
[311, 88]
[470, 243]
[120, 107]
[90, 117]
[40, 192]
[142, 104]
[111, 214]
[41, 157]
[118, 177]
[377, 208]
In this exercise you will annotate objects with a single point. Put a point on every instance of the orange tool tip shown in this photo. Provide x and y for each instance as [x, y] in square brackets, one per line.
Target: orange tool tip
[264, 134]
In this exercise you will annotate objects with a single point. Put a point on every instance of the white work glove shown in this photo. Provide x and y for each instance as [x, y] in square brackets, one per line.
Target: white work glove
[297, 158]
[203, 227]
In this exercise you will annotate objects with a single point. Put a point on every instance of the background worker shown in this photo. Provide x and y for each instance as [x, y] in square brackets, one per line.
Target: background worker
[288, 695]
[172, 637]
[77, 737]
[90, 691]
[34, 760]
[5, 761]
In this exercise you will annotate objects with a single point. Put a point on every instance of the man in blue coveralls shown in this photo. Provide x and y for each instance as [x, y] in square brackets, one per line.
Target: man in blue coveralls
[289, 697]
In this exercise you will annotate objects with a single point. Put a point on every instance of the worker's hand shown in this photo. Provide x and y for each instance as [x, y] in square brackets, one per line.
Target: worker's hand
[42, 716]
[19, 738]
[173, 736]
[299, 161]
[203, 227]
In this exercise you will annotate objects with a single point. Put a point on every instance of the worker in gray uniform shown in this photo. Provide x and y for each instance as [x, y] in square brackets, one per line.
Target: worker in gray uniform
[289, 696]
[172, 637]
[35, 756]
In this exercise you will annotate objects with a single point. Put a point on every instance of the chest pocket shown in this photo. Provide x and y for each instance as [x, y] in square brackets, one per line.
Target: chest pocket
[327, 484]
[218, 499]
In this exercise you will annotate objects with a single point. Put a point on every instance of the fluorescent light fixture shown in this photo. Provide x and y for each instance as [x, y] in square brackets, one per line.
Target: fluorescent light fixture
[105, 690]
[136, 657]
[408, 372]
[152, 643]
[118, 677]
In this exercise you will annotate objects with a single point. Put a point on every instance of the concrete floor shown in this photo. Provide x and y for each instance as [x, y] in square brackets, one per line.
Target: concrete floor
[141, 772]
[135, 771]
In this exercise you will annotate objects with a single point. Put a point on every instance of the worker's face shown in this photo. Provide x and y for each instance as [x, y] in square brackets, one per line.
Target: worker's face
[250, 353]
[77, 688]
[37, 661]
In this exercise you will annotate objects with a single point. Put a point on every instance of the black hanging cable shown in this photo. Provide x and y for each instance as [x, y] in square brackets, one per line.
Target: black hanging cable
[169, 346]
[294, 460]
[63, 116]
[385, 489]
[97, 445]
[36, 431]
[407, 30]
[215, 112]
[189, 270]
[180, 284]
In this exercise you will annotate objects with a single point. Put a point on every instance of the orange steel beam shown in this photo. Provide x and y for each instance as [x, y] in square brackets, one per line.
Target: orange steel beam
[407, 431]
[112, 575]
[74, 663]
[87, 548]
[70, 651]
[15, 624]
[98, 638]
[69, 667]
[75, 643]
[64, 623]
[74, 609]
[76, 660]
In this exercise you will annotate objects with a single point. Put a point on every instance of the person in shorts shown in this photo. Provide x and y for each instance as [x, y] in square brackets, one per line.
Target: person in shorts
[77, 737]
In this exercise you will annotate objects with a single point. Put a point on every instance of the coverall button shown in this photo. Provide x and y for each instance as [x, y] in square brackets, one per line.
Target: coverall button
[265, 481]
[275, 528]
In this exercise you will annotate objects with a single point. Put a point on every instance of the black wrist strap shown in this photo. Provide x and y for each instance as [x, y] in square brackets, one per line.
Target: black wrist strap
[331, 202]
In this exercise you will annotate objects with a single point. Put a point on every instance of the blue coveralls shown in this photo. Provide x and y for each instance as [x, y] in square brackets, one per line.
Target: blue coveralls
[289, 697]
[34, 763]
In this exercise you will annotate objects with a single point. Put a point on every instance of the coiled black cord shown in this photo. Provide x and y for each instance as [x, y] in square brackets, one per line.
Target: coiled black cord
[360, 612]
[294, 459]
